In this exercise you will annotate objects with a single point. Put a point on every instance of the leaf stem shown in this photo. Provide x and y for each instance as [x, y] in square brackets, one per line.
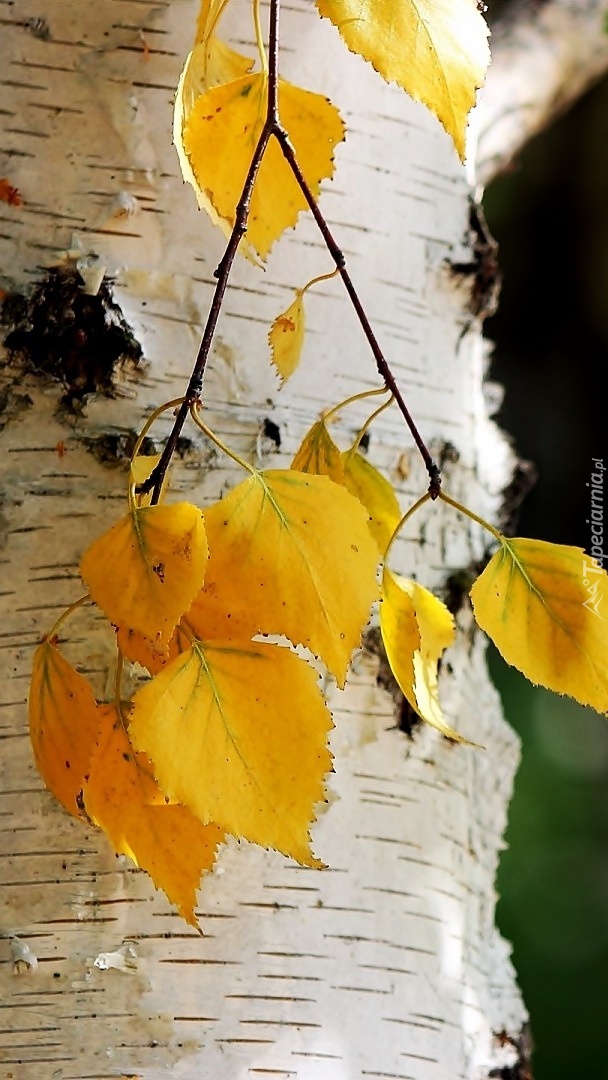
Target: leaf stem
[368, 423]
[66, 614]
[259, 37]
[328, 414]
[462, 509]
[408, 514]
[316, 280]
[218, 442]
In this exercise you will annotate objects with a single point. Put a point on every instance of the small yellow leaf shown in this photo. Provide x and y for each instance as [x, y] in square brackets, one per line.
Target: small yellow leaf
[377, 496]
[238, 733]
[319, 454]
[436, 50]
[292, 554]
[416, 628]
[219, 138]
[545, 607]
[145, 571]
[63, 725]
[286, 338]
[122, 797]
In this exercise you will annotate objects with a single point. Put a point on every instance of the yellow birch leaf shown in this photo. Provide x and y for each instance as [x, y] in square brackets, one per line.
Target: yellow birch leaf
[436, 50]
[238, 733]
[146, 570]
[319, 454]
[63, 725]
[416, 628]
[292, 554]
[286, 338]
[377, 495]
[545, 607]
[219, 138]
[122, 798]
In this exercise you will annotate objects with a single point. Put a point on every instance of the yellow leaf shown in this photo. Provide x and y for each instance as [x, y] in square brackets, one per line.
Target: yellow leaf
[377, 496]
[436, 50]
[238, 733]
[122, 797]
[63, 725]
[292, 554]
[545, 607]
[319, 454]
[219, 138]
[286, 338]
[145, 571]
[416, 628]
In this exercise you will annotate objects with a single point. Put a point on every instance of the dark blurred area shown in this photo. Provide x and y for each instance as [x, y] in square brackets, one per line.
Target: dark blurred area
[550, 218]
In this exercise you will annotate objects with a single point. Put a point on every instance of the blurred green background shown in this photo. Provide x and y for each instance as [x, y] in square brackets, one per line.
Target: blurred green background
[550, 218]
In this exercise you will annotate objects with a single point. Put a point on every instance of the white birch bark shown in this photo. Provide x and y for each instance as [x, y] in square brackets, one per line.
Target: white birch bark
[387, 964]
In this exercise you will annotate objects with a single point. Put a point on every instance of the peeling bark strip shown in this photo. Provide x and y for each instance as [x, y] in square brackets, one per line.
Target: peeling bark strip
[388, 964]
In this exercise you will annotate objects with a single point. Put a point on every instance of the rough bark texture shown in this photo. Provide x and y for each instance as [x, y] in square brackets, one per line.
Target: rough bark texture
[387, 964]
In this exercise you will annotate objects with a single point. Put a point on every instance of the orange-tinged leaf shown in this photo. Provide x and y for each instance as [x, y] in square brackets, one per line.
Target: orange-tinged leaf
[146, 570]
[63, 724]
[238, 733]
[416, 628]
[286, 338]
[123, 798]
[436, 50]
[219, 138]
[545, 607]
[377, 495]
[291, 554]
[319, 454]
[150, 654]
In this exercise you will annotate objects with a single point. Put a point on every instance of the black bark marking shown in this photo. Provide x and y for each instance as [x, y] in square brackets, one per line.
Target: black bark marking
[63, 333]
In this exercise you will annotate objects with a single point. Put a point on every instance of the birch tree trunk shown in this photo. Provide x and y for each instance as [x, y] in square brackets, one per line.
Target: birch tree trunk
[387, 964]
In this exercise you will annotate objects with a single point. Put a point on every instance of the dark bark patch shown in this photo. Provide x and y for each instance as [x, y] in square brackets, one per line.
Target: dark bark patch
[522, 1043]
[65, 334]
[12, 403]
[406, 719]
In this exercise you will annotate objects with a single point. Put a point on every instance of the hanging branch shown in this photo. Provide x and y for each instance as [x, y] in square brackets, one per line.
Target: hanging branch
[273, 128]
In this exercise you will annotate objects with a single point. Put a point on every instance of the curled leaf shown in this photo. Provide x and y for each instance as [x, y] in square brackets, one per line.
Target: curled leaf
[238, 733]
[436, 50]
[416, 628]
[146, 570]
[545, 607]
